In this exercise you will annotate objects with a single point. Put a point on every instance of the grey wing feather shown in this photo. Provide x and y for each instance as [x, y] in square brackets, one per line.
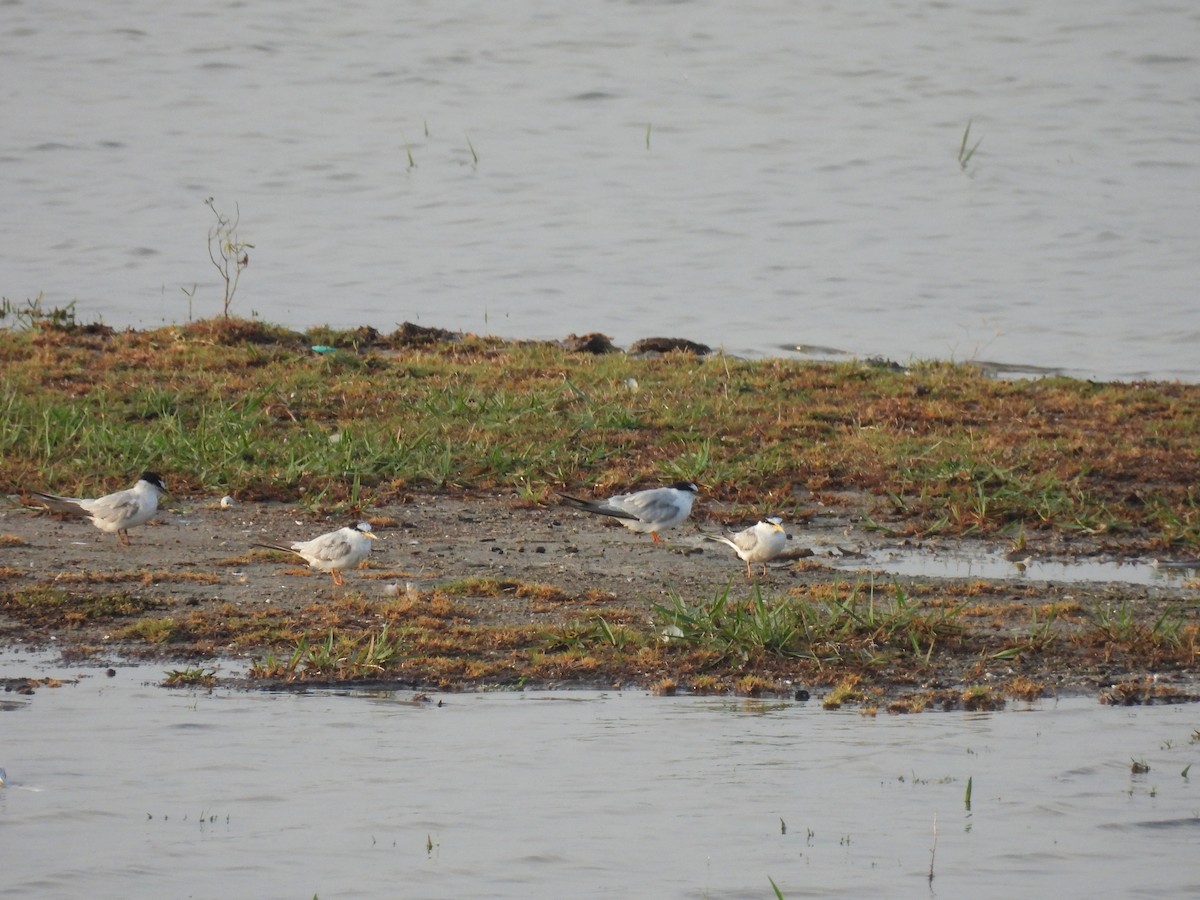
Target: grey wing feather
[649, 507]
[746, 540]
[114, 507]
[603, 509]
[331, 550]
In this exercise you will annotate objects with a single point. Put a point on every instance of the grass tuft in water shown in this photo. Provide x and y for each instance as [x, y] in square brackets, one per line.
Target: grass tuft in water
[965, 154]
[33, 316]
[845, 691]
[981, 697]
[195, 676]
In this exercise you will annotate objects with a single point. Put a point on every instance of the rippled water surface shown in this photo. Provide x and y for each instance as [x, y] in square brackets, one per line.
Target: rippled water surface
[122, 789]
[751, 175]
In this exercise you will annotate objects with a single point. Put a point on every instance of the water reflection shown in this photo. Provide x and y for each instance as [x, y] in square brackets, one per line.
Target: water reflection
[148, 792]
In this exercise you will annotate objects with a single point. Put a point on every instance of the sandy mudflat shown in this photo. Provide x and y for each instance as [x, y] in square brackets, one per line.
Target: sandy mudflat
[196, 558]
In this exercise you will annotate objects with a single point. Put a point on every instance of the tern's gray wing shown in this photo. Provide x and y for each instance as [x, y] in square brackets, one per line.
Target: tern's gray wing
[118, 507]
[328, 548]
[745, 540]
[603, 509]
[658, 505]
[335, 550]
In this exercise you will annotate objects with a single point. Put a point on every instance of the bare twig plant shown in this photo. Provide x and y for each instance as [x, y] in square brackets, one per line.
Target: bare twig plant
[227, 252]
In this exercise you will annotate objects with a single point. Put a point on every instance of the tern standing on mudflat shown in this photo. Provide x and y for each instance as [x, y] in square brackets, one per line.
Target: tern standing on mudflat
[333, 552]
[650, 511]
[113, 513]
[759, 543]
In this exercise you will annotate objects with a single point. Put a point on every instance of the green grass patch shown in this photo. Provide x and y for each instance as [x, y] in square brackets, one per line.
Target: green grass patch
[588, 635]
[1117, 627]
[864, 626]
[150, 629]
[338, 656]
[499, 587]
[43, 604]
[233, 406]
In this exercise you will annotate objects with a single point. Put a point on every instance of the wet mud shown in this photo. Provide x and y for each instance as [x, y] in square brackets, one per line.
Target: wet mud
[190, 590]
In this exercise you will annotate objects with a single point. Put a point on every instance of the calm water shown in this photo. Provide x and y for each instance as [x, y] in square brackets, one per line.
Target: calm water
[749, 175]
[959, 563]
[121, 789]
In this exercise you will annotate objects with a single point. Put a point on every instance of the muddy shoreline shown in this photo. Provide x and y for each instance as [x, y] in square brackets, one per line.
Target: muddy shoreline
[190, 592]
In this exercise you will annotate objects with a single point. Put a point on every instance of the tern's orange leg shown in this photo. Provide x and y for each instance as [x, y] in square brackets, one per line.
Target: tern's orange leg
[654, 534]
[337, 576]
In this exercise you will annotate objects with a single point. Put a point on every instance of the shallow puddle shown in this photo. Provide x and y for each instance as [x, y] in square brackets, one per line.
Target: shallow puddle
[119, 788]
[942, 564]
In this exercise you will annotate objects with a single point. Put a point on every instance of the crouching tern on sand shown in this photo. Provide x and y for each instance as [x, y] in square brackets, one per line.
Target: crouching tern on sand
[333, 552]
[113, 513]
[650, 511]
[759, 543]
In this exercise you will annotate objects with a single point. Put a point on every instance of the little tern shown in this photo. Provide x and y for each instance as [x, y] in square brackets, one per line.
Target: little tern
[113, 513]
[757, 544]
[333, 552]
[653, 510]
